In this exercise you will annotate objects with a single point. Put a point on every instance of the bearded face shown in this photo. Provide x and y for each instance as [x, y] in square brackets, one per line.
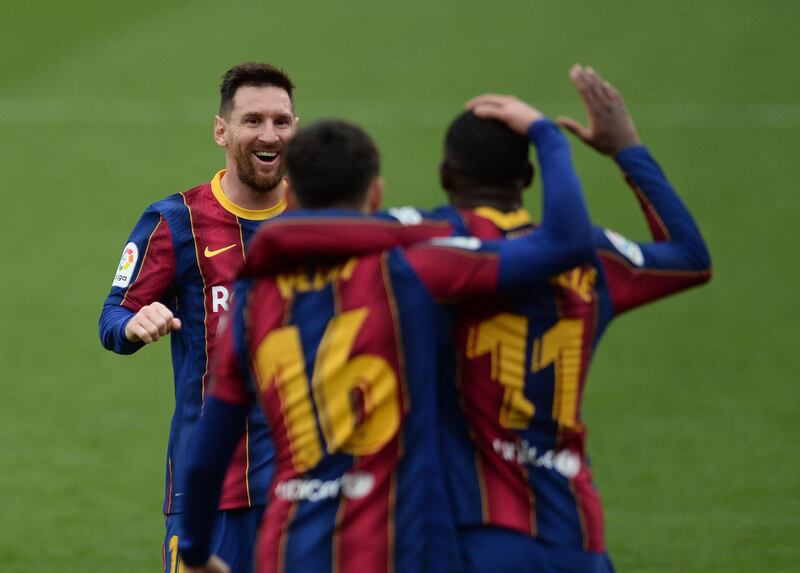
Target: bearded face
[260, 178]
[256, 132]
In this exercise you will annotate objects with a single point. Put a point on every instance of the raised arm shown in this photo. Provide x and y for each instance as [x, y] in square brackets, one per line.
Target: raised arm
[677, 258]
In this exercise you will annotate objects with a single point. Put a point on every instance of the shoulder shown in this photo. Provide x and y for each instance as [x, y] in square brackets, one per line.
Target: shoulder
[176, 204]
[198, 194]
[173, 210]
[198, 190]
[414, 216]
[171, 204]
[444, 214]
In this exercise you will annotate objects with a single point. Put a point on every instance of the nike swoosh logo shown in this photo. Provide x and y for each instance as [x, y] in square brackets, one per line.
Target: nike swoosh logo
[209, 253]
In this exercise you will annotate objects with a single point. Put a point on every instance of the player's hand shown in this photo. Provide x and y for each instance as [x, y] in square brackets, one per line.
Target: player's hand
[512, 111]
[151, 323]
[213, 565]
[611, 128]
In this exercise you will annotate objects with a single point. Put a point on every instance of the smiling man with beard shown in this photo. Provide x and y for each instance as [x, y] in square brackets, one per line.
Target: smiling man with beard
[174, 278]
[254, 124]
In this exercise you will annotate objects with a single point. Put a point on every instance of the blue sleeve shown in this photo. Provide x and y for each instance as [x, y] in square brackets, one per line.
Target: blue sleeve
[149, 248]
[220, 429]
[564, 239]
[113, 320]
[678, 244]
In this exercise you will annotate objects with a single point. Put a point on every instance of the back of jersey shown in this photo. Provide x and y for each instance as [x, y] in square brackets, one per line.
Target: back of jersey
[343, 362]
[514, 445]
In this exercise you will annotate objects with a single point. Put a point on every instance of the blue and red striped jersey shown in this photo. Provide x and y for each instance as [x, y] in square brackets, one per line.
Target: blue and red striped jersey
[515, 440]
[184, 252]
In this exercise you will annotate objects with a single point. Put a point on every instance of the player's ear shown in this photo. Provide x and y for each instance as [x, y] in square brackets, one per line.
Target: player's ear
[220, 131]
[528, 175]
[374, 196]
[445, 175]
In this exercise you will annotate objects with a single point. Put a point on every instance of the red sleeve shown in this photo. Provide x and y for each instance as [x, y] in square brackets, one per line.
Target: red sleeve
[451, 275]
[630, 286]
[157, 271]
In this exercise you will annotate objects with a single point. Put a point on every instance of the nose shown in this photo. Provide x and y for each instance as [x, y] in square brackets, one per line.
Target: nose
[268, 134]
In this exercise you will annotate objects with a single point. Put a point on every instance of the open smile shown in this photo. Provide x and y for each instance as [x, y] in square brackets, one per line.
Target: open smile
[266, 157]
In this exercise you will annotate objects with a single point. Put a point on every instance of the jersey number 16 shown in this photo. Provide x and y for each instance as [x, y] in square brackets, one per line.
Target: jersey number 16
[355, 397]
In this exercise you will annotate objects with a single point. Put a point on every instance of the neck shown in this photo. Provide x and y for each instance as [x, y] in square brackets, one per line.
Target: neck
[247, 197]
[503, 200]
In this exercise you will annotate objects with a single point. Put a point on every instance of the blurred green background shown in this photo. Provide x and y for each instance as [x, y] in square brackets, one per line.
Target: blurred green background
[107, 106]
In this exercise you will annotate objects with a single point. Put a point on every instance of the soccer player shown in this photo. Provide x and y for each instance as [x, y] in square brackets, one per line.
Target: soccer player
[175, 278]
[514, 446]
[335, 330]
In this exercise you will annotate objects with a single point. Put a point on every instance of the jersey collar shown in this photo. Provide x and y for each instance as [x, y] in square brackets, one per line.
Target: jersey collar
[231, 207]
[505, 221]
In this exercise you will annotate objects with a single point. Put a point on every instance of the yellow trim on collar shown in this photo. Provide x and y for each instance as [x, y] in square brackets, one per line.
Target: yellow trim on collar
[505, 221]
[231, 207]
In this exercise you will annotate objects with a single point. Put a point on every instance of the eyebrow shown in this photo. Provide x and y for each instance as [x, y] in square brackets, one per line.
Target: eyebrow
[258, 114]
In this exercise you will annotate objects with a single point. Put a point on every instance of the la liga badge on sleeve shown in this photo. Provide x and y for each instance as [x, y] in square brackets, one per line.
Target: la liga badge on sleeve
[130, 254]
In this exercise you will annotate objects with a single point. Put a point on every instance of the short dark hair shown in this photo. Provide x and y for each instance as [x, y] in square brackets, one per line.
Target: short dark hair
[486, 151]
[251, 74]
[331, 163]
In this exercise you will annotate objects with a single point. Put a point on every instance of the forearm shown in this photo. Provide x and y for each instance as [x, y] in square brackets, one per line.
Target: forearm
[565, 216]
[564, 238]
[113, 320]
[220, 429]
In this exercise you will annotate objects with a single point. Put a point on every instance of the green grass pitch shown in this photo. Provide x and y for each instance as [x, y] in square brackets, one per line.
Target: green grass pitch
[692, 403]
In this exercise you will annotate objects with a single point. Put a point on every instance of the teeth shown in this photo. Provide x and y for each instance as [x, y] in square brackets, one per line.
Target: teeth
[266, 154]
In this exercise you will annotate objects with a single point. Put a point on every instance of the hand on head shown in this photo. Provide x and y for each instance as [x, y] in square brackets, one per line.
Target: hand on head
[512, 111]
[611, 128]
